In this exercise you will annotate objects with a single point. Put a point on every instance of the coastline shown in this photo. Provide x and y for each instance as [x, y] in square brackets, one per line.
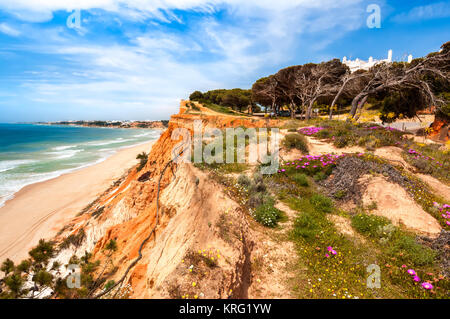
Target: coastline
[41, 209]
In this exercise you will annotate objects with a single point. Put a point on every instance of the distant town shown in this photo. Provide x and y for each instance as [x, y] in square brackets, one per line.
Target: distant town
[113, 124]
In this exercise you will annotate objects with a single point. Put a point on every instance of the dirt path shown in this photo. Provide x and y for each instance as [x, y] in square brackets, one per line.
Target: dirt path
[274, 260]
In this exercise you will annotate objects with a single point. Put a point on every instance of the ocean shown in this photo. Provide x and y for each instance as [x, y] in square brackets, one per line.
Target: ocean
[35, 153]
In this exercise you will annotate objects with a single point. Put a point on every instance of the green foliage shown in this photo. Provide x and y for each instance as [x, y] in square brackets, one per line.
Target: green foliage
[143, 159]
[407, 250]
[24, 266]
[43, 278]
[321, 203]
[295, 140]
[267, 215]
[301, 179]
[42, 252]
[244, 180]
[109, 284]
[369, 225]
[236, 99]
[7, 266]
[15, 284]
[111, 246]
[196, 96]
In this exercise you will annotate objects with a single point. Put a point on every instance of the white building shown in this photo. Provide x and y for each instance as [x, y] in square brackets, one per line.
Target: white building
[358, 64]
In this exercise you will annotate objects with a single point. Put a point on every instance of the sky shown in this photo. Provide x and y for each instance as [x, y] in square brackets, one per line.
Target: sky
[136, 59]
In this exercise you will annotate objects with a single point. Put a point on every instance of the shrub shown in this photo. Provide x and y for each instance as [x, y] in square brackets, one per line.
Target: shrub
[369, 225]
[300, 179]
[321, 203]
[306, 226]
[244, 180]
[267, 215]
[258, 199]
[320, 176]
[324, 134]
[340, 194]
[143, 158]
[341, 141]
[297, 141]
[409, 251]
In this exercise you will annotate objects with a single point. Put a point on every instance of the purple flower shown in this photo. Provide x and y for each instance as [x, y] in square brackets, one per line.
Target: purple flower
[416, 278]
[427, 285]
[411, 272]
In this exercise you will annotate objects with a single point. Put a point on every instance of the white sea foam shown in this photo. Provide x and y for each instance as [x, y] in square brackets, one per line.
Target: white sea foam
[63, 148]
[11, 183]
[9, 165]
[116, 141]
[64, 154]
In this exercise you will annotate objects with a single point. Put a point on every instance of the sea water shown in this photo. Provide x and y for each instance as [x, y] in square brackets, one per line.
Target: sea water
[35, 153]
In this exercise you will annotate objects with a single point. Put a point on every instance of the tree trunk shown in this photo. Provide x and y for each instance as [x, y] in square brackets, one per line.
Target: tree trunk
[336, 98]
[308, 111]
[360, 107]
[292, 108]
[355, 105]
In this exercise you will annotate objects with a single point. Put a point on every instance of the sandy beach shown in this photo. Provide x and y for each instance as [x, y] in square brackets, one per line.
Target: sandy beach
[40, 210]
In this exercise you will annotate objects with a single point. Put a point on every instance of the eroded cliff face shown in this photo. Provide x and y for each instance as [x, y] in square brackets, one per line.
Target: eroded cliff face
[202, 243]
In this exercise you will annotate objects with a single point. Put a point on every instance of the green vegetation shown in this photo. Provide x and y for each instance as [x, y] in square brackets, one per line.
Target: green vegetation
[336, 264]
[143, 159]
[224, 100]
[297, 141]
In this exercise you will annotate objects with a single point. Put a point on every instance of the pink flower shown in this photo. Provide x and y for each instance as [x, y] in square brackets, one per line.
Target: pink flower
[416, 279]
[327, 256]
[329, 248]
[403, 266]
[334, 252]
[411, 272]
[427, 285]
[448, 223]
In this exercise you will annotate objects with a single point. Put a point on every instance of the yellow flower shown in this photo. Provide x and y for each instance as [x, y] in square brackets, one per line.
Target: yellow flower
[194, 284]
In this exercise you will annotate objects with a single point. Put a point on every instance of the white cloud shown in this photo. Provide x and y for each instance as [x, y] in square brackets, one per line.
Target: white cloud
[432, 11]
[153, 69]
[8, 30]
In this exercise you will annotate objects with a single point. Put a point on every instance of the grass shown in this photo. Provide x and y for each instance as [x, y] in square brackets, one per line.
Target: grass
[344, 275]
[369, 225]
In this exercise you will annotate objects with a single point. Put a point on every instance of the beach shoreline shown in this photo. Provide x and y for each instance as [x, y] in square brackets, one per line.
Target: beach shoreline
[41, 209]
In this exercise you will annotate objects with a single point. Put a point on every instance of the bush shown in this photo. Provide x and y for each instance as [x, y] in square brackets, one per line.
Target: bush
[369, 225]
[244, 180]
[321, 203]
[320, 176]
[297, 141]
[323, 134]
[306, 226]
[267, 215]
[409, 251]
[341, 141]
[143, 158]
[300, 179]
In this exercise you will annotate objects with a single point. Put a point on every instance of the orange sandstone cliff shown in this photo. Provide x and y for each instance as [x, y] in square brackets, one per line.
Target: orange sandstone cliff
[202, 243]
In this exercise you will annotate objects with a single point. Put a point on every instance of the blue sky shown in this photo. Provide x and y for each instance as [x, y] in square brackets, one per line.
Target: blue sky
[135, 59]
